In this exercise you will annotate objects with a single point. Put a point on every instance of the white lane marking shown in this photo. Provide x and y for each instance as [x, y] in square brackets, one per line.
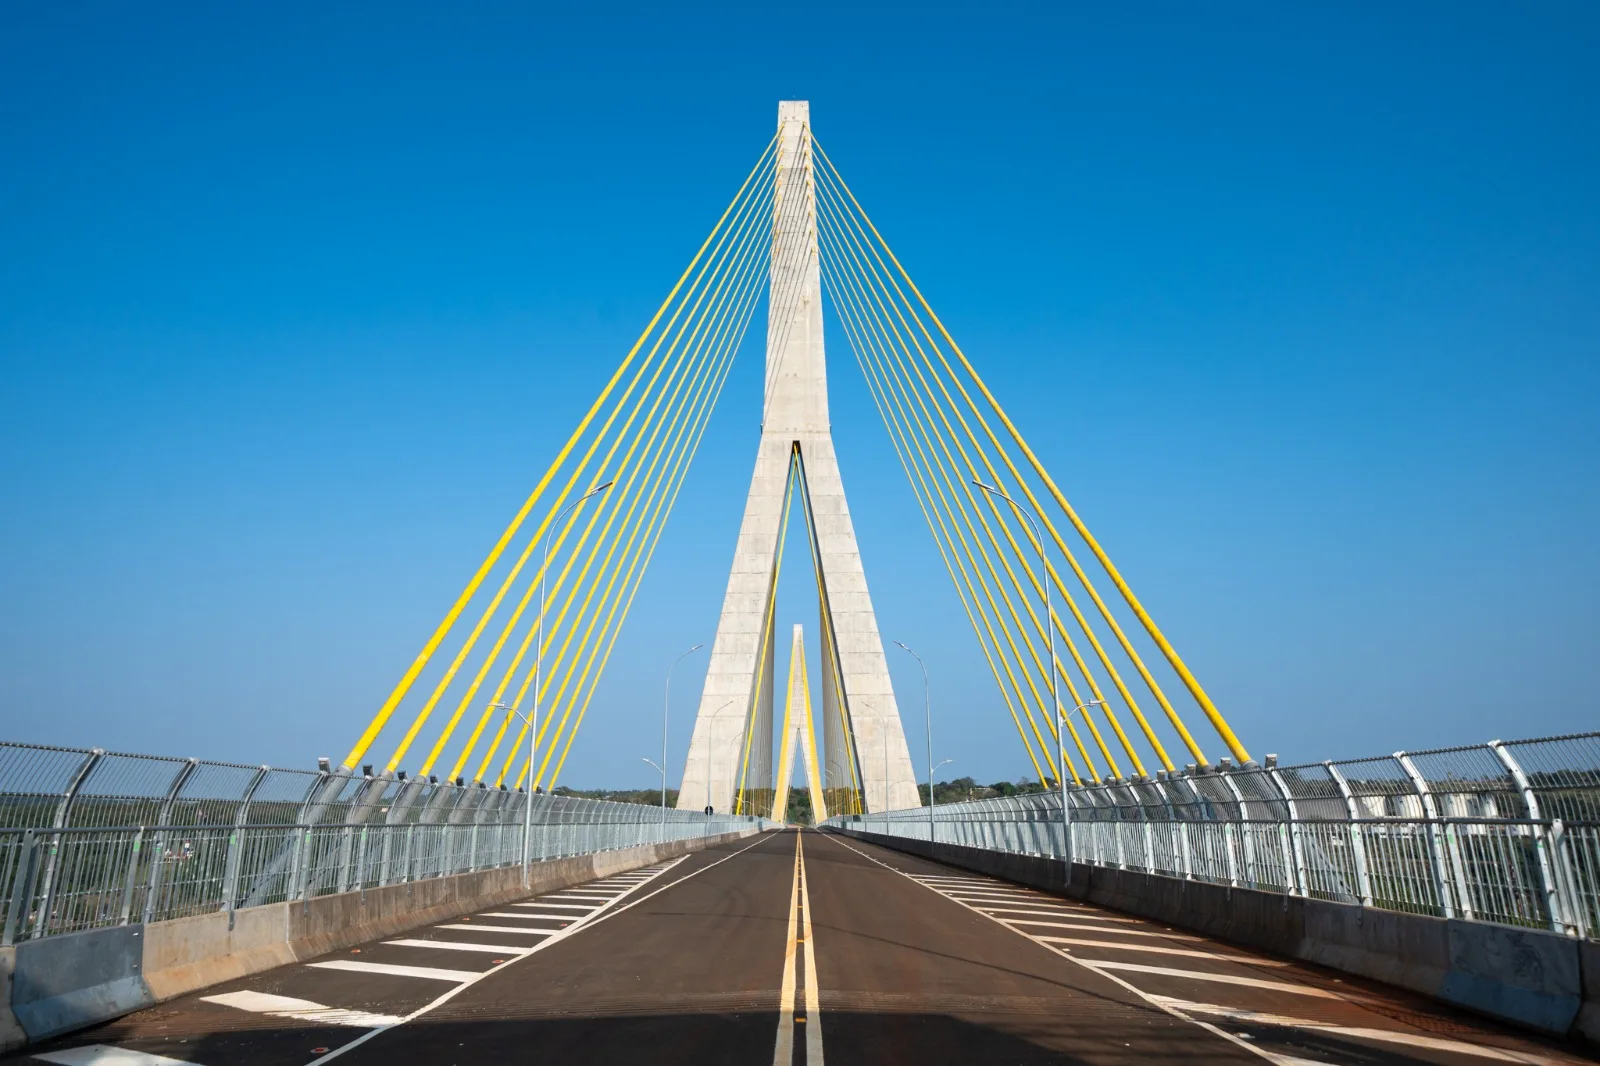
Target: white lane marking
[1219, 978]
[300, 1010]
[813, 986]
[1082, 928]
[1276, 1058]
[106, 1055]
[585, 897]
[1435, 1043]
[1120, 946]
[511, 914]
[560, 906]
[456, 945]
[1059, 912]
[553, 915]
[428, 973]
[783, 1046]
[502, 929]
[557, 938]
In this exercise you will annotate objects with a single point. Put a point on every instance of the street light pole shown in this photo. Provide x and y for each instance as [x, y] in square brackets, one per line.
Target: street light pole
[533, 712]
[927, 723]
[1050, 635]
[666, 705]
[1065, 814]
[933, 825]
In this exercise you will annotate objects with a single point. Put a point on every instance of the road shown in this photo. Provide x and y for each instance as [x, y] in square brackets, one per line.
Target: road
[797, 948]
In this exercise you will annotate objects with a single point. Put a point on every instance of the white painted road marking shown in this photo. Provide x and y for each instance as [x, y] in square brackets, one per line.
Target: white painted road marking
[1086, 928]
[1220, 978]
[456, 945]
[501, 928]
[300, 1010]
[427, 973]
[562, 906]
[106, 1055]
[1120, 946]
[1436, 1043]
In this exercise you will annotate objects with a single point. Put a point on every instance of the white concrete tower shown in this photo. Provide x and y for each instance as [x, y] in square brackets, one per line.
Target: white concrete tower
[865, 746]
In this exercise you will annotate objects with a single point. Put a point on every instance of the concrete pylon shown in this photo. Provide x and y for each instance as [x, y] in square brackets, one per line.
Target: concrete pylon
[799, 738]
[868, 762]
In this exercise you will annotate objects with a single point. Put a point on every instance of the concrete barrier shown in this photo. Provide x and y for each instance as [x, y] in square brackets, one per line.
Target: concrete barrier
[1531, 977]
[11, 1034]
[60, 983]
[66, 982]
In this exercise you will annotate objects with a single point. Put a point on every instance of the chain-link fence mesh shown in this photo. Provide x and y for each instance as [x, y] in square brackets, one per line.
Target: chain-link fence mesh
[90, 838]
[1502, 832]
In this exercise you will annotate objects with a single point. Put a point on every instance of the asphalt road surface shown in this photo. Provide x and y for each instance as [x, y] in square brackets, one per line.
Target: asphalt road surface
[798, 948]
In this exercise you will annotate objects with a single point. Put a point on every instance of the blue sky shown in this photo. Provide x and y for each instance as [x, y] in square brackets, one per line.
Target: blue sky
[1298, 302]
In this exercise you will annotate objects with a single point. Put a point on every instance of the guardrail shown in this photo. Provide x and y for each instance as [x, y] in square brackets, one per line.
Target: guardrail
[1506, 832]
[90, 838]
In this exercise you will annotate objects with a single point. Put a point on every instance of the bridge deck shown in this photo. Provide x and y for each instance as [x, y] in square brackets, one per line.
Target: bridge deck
[688, 962]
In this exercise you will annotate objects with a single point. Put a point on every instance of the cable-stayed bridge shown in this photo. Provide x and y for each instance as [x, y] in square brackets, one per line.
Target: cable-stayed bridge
[435, 897]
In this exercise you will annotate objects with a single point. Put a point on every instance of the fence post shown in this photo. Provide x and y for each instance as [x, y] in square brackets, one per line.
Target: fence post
[1561, 908]
[241, 818]
[158, 845]
[1247, 844]
[1297, 848]
[131, 876]
[63, 809]
[1358, 842]
[1441, 846]
[21, 887]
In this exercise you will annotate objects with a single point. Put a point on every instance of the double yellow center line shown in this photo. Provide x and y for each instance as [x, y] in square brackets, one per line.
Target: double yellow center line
[809, 1024]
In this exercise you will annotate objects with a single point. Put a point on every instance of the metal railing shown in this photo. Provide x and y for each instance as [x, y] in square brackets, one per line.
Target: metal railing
[90, 838]
[1504, 832]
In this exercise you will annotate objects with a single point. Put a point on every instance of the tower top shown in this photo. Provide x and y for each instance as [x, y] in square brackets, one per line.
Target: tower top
[794, 111]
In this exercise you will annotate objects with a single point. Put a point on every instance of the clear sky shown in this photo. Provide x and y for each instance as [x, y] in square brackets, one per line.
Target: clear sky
[1298, 302]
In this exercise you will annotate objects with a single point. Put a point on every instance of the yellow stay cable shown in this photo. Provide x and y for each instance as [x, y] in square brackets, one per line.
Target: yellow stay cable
[1171, 654]
[830, 640]
[389, 705]
[553, 632]
[702, 348]
[765, 641]
[653, 536]
[561, 725]
[915, 477]
[878, 314]
[1088, 631]
[860, 268]
[829, 649]
[546, 724]
[718, 263]
[851, 310]
[923, 421]
[742, 290]
[510, 579]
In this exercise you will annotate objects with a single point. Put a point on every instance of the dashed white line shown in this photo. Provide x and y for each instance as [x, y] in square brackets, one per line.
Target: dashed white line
[1435, 1043]
[1083, 928]
[429, 973]
[607, 912]
[106, 1055]
[1219, 978]
[300, 1010]
[456, 945]
[1152, 948]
